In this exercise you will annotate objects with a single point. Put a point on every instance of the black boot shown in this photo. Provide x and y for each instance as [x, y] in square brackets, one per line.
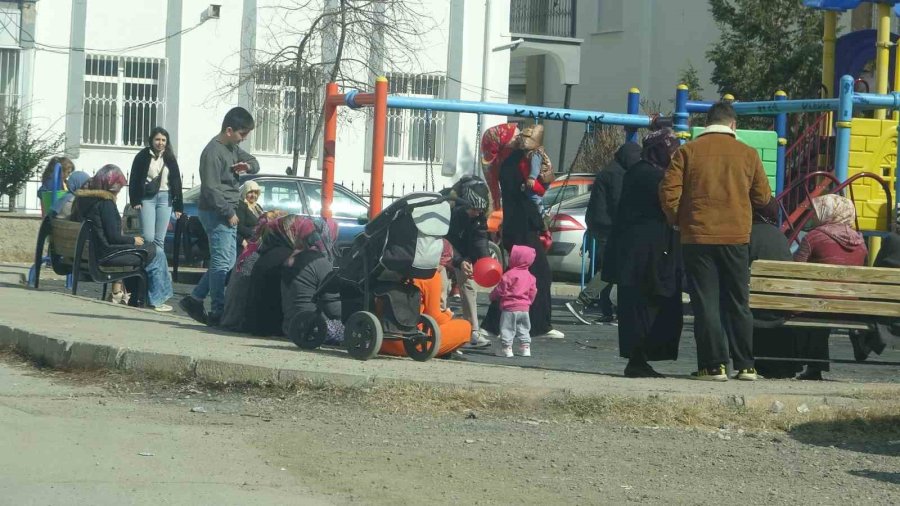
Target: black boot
[639, 368]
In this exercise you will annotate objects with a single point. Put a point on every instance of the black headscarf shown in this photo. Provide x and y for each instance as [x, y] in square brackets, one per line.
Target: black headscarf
[659, 146]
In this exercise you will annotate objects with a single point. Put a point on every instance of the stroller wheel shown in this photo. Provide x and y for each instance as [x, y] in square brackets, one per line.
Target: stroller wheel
[308, 330]
[426, 344]
[363, 335]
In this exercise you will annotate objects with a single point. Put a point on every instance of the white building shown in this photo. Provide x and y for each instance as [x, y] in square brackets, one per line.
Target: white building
[104, 72]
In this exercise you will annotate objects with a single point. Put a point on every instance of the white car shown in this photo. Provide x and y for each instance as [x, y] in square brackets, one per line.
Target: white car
[567, 227]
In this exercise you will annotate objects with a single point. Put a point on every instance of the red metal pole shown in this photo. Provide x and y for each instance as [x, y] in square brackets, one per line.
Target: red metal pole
[331, 89]
[378, 137]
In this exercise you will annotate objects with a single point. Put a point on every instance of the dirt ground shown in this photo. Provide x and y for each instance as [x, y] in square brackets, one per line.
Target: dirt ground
[362, 446]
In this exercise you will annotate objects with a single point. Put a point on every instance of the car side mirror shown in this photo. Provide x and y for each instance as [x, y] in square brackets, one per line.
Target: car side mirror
[363, 219]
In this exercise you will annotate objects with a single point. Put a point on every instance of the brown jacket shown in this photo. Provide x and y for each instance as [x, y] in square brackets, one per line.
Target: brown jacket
[711, 188]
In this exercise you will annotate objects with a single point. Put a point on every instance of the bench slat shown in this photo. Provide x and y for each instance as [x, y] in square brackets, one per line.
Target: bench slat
[824, 288]
[798, 270]
[819, 305]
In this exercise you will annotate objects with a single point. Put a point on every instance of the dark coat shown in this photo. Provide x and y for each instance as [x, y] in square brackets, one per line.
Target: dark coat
[768, 243]
[138, 177]
[521, 217]
[246, 221]
[889, 254]
[643, 251]
[468, 236]
[299, 283]
[264, 310]
[607, 188]
[99, 206]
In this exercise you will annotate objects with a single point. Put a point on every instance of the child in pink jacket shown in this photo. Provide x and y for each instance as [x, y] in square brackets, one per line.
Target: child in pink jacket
[516, 293]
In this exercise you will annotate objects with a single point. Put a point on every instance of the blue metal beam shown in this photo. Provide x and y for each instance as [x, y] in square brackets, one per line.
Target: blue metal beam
[518, 111]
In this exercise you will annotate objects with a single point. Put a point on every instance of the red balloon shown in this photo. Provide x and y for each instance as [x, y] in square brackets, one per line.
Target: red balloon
[487, 272]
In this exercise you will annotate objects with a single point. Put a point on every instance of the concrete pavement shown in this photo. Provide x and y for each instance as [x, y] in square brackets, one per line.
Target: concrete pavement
[74, 332]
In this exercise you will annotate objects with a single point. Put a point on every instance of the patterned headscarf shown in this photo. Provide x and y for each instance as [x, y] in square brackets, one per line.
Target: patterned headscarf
[264, 226]
[306, 233]
[109, 178]
[659, 146]
[833, 208]
[496, 144]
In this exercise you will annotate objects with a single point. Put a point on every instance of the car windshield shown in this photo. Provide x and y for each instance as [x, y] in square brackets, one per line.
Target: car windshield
[344, 204]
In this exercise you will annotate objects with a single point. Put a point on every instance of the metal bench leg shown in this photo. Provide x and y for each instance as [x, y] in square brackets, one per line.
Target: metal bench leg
[103, 294]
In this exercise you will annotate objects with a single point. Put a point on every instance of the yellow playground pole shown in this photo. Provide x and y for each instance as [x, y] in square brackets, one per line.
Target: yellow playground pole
[828, 41]
[882, 54]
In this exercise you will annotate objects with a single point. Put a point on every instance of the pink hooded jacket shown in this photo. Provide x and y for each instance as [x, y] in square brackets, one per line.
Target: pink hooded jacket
[517, 287]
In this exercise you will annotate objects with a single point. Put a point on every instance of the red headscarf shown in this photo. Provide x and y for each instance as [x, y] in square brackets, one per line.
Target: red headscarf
[496, 145]
[109, 178]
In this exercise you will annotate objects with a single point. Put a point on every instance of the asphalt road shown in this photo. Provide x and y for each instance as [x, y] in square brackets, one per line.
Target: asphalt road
[594, 349]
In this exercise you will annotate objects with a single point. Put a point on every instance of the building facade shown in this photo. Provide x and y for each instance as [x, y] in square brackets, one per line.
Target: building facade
[105, 72]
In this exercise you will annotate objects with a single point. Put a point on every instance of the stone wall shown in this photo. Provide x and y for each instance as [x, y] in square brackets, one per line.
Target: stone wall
[18, 235]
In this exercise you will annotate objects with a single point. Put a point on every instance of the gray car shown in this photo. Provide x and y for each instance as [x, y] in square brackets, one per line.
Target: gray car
[567, 227]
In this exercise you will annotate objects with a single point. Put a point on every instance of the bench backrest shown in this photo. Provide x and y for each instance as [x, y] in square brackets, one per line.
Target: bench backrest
[63, 237]
[822, 288]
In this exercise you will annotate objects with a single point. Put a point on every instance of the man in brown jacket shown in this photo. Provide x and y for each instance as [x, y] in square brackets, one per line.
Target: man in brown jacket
[709, 192]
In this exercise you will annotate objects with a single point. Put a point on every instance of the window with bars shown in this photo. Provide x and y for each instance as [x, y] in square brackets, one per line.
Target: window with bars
[274, 109]
[9, 80]
[416, 135]
[124, 98]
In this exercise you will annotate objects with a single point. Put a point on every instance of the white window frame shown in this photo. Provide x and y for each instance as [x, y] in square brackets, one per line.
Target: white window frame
[403, 125]
[96, 126]
[10, 63]
[281, 83]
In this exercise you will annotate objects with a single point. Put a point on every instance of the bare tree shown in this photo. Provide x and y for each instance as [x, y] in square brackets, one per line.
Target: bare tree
[342, 41]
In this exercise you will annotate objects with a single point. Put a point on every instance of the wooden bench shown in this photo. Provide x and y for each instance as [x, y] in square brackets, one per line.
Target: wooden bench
[68, 242]
[831, 296]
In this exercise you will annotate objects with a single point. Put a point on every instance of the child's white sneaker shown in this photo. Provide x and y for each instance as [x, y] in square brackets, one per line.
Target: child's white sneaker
[505, 351]
[525, 350]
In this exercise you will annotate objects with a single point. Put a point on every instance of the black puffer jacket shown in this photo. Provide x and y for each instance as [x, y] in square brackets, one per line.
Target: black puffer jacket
[468, 236]
[604, 202]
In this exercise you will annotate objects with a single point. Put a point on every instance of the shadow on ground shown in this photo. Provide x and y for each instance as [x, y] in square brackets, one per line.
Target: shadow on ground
[878, 435]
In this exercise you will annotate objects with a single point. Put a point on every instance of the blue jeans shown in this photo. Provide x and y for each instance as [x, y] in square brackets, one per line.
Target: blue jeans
[156, 212]
[222, 255]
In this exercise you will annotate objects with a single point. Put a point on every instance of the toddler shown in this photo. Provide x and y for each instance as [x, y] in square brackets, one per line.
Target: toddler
[516, 292]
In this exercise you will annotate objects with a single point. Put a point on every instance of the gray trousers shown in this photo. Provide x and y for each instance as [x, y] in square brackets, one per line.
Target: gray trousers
[468, 295]
[515, 324]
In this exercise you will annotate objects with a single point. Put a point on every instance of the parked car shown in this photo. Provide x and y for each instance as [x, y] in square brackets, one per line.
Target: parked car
[568, 186]
[567, 227]
[292, 194]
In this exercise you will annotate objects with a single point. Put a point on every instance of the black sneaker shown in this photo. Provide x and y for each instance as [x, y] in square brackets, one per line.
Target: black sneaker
[606, 319]
[194, 308]
[576, 307]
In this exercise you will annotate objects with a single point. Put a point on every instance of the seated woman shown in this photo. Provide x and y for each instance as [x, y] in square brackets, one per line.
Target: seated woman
[834, 241]
[455, 333]
[96, 201]
[234, 313]
[63, 207]
[248, 212]
[306, 271]
[263, 313]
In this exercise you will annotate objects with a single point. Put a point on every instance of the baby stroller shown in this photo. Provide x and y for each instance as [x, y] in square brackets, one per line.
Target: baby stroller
[378, 299]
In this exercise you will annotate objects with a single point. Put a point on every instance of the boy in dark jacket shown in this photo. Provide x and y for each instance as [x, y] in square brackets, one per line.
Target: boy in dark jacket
[469, 238]
[600, 216]
[221, 164]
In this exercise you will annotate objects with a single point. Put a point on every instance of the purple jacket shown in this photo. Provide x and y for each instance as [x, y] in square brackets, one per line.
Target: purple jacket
[517, 287]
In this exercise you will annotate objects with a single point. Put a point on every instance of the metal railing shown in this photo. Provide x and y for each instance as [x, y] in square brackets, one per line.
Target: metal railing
[554, 18]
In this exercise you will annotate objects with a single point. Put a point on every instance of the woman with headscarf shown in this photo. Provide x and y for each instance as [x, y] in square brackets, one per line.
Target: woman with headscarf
[834, 241]
[234, 313]
[96, 201]
[496, 145]
[306, 271]
[645, 263]
[248, 212]
[523, 226]
[63, 206]
[264, 310]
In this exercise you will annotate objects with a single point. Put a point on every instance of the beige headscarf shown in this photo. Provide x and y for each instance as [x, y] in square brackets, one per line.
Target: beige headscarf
[831, 209]
[532, 137]
[252, 186]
